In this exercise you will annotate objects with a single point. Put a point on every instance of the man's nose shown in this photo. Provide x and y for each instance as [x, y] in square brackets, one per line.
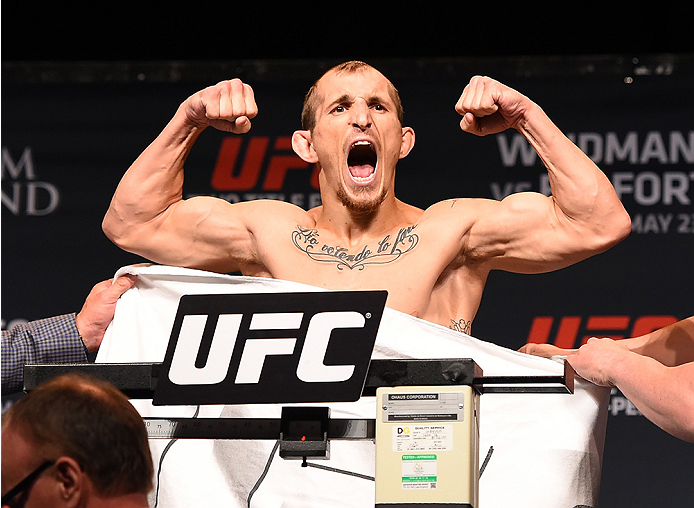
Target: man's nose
[361, 114]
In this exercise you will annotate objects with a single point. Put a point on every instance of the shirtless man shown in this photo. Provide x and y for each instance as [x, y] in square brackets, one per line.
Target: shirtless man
[434, 262]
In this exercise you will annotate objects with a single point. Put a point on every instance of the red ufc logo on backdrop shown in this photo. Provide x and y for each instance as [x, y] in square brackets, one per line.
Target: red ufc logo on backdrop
[262, 157]
[573, 331]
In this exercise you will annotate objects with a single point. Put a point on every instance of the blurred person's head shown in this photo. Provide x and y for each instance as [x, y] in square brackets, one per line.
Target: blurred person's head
[75, 441]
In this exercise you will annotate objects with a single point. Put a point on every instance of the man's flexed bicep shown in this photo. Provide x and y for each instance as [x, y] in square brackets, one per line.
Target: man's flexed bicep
[201, 232]
[530, 231]
[148, 215]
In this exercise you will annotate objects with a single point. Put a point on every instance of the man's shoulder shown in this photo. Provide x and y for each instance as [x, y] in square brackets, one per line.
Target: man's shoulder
[275, 207]
[459, 208]
[278, 213]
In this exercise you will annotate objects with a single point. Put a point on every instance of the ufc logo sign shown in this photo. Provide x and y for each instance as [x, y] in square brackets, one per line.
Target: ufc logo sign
[573, 331]
[271, 347]
[258, 162]
[310, 369]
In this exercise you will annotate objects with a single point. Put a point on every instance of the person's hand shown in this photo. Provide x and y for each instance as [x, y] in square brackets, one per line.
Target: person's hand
[545, 350]
[98, 309]
[227, 106]
[596, 359]
[489, 107]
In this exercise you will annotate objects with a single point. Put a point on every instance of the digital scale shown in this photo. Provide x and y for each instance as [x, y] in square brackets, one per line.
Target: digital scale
[427, 446]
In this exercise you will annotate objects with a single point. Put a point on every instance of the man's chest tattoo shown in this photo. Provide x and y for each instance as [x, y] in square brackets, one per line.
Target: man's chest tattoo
[461, 326]
[384, 251]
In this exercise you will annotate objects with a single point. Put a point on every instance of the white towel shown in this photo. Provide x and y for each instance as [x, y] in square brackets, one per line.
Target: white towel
[547, 448]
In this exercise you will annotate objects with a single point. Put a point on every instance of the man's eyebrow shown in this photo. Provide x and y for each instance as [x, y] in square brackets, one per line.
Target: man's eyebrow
[348, 99]
[377, 99]
[342, 99]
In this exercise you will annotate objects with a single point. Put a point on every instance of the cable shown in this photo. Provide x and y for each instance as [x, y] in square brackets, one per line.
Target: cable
[486, 460]
[263, 474]
[335, 470]
[161, 461]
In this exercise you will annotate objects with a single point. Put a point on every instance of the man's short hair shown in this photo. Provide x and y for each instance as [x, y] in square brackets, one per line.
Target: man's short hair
[92, 422]
[308, 113]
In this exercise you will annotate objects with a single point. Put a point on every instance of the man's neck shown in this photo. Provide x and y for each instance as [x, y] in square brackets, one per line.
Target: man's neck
[353, 226]
[133, 500]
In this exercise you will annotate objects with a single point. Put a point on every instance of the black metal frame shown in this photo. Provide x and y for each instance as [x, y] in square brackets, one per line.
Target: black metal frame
[139, 380]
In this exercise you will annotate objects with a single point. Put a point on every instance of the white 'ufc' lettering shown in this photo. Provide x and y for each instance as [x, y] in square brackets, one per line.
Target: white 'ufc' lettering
[310, 369]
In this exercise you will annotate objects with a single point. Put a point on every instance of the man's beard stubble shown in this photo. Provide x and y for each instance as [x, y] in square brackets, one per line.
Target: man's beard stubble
[361, 206]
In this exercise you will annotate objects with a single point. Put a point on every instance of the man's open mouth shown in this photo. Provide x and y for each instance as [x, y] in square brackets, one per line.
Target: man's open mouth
[362, 161]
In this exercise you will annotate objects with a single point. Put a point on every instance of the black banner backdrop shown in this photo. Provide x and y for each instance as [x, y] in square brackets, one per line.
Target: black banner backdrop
[69, 131]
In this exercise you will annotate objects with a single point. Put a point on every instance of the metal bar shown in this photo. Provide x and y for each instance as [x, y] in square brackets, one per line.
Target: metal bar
[528, 384]
[139, 380]
[136, 380]
[248, 428]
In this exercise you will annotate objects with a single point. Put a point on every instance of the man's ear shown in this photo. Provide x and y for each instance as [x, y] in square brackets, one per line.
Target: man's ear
[71, 480]
[407, 141]
[301, 143]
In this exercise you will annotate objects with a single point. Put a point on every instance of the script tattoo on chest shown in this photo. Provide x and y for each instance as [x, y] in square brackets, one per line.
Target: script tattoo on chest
[385, 251]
